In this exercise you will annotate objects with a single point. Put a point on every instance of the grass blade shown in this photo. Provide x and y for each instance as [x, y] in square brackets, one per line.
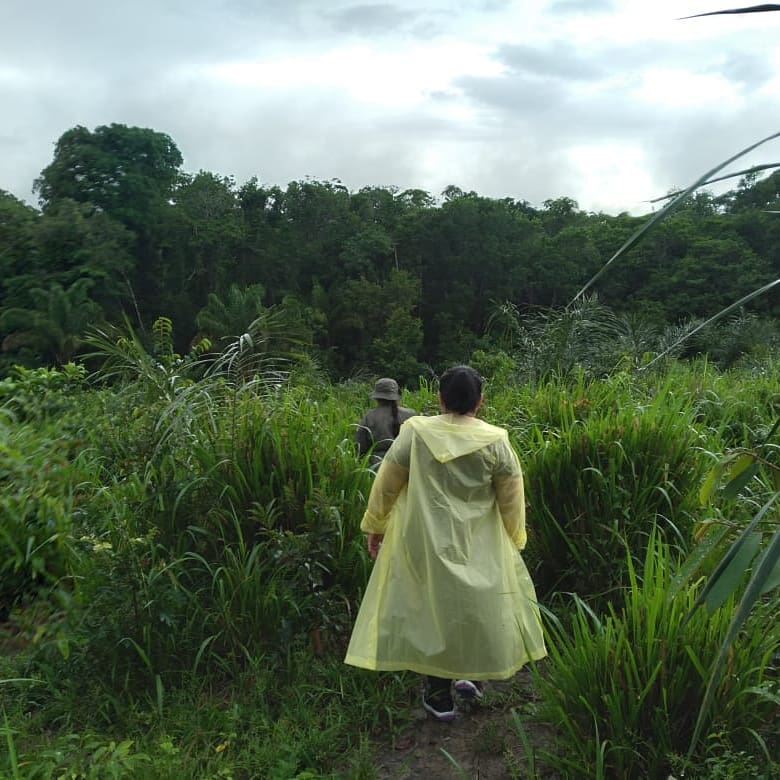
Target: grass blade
[11, 747]
[669, 209]
[725, 177]
[762, 572]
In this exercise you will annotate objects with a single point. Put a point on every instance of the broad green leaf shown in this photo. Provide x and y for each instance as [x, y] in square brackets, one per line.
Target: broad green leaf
[773, 580]
[711, 539]
[716, 472]
[713, 477]
[761, 573]
[741, 463]
[731, 553]
[731, 577]
[741, 474]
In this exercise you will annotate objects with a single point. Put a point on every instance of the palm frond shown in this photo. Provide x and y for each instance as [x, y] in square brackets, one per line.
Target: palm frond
[745, 172]
[741, 302]
[752, 9]
[668, 209]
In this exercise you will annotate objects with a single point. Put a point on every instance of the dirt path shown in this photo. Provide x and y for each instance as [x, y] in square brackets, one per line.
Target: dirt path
[483, 742]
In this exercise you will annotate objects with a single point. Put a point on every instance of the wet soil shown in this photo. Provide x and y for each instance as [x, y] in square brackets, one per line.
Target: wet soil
[491, 740]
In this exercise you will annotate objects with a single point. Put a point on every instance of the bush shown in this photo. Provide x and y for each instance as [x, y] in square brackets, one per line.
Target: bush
[235, 534]
[40, 487]
[603, 482]
[38, 393]
[624, 692]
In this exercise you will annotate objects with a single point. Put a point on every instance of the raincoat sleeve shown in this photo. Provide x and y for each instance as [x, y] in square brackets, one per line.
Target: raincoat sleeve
[390, 480]
[510, 494]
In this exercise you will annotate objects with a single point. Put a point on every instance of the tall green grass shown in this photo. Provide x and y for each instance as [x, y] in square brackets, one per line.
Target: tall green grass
[211, 537]
[305, 718]
[236, 536]
[614, 469]
[630, 684]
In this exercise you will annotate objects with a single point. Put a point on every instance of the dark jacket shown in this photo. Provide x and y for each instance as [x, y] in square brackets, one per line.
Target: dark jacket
[376, 429]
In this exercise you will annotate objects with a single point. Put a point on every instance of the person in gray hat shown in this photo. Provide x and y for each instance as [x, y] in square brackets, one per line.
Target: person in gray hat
[378, 427]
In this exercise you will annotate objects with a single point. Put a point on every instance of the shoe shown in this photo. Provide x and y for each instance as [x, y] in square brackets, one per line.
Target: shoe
[440, 705]
[470, 690]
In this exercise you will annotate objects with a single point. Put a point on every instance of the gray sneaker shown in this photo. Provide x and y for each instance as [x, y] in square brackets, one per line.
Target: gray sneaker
[440, 704]
[470, 690]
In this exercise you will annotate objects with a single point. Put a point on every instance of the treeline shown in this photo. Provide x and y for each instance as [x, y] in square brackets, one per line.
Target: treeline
[380, 279]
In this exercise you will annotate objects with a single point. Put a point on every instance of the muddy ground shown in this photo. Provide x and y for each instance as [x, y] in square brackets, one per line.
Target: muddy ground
[484, 741]
[492, 740]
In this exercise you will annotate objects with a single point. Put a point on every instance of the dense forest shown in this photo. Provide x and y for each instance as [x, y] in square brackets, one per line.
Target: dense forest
[378, 280]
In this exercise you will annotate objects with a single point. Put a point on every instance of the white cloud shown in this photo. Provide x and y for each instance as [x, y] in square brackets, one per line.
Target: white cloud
[612, 176]
[671, 89]
[368, 76]
[532, 99]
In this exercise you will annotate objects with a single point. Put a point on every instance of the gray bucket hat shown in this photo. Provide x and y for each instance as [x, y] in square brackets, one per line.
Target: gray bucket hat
[386, 389]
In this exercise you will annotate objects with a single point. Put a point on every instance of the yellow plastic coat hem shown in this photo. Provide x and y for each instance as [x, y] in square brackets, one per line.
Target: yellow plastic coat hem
[434, 671]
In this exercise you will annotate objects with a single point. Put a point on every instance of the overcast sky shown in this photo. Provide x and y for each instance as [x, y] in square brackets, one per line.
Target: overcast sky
[610, 102]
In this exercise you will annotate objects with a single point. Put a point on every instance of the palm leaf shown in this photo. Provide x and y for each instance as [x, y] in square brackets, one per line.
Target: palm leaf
[668, 209]
[764, 571]
[745, 172]
[752, 9]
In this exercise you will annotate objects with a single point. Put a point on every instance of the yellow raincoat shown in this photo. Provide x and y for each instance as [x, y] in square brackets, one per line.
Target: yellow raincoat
[449, 595]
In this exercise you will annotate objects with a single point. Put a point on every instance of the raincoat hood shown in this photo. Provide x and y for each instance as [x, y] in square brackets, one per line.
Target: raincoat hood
[451, 436]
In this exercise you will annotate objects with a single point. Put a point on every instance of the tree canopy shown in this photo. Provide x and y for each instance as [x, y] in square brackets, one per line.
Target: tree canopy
[380, 279]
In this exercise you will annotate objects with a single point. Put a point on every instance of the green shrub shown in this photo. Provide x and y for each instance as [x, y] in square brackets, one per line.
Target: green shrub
[38, 393]
[627, 688]
[40, 488]
[235, 535]
[605, 480]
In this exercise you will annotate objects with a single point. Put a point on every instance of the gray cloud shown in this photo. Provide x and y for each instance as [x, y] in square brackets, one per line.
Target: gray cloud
[560, 60]
[583, 6]
[555, 78]
[377, 19]
[515, 93]
[102, 35]
[746, 68]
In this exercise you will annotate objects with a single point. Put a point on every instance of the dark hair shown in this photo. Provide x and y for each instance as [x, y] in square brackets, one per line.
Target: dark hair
[394, 411]
[396, 419]
[461, 389]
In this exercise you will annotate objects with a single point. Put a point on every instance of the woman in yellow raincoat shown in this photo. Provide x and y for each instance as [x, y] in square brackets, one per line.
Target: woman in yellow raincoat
[450, 596]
